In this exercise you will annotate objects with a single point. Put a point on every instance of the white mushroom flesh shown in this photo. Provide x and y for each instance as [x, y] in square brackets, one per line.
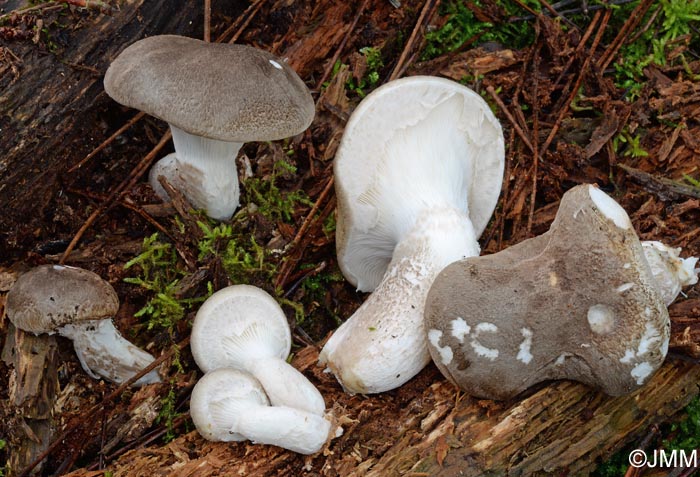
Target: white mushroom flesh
[204, 170]
[671, 272]
[103, 352]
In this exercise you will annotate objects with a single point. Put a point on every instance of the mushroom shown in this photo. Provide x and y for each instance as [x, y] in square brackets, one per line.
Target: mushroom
[215, 97]
[578, 302]
[230, 405]
[78, 305]
[671, 272]
[417, 176]
[243, 327]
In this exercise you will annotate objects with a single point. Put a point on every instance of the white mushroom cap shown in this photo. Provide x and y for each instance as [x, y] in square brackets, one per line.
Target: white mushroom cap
[369, 224]
[230, 405]
[215, 97]
[243, 327]
[78, 304]
[417, 175]
[671, 272]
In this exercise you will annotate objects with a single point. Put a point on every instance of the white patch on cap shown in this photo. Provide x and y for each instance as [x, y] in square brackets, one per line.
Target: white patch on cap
[460, 329]
[275, 64]
[628, 357]
[524, 353]
[626, 266]
[479, 349]
[562, 357]
[624, 287]
[553, 279]
[445, 352]
[601, 319]
[651, 335]
[609, 208]
[641, 372]
[59, 267]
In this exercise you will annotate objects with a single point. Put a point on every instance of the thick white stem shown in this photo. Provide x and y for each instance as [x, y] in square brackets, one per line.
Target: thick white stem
[670, 271]
[204, 170]
[292, 429]
[103, 352]
[383, 344]
[286, 386]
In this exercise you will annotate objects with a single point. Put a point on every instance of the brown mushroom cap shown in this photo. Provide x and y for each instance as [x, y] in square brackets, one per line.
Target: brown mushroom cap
[577, 302]
[50, 296]
[232, 93]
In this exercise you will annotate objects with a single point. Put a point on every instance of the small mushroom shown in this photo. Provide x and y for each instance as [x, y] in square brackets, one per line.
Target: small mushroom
[78, 305]
[215, 97]
[417, 176]
[671, 272]
[578, 302]
[243, 327]
[231, 405]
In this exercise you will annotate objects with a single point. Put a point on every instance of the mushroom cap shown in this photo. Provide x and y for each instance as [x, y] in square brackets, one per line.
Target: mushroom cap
[236, 325]
[384, 124]
[232, 93]
[215, 398]
[50, 296]
[578, 302]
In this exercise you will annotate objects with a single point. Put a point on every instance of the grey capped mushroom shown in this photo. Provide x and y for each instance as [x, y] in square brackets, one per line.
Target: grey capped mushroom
[231, 405]
[417, 176]
[215, 97]
[78, 305]
[579, 302]
[243, 327]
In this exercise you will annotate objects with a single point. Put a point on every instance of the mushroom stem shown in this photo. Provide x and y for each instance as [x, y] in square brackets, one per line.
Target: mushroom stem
[285, 386]
[382, 345]
[293, 429]
[204, 170]
[103, 352]
[671, 272]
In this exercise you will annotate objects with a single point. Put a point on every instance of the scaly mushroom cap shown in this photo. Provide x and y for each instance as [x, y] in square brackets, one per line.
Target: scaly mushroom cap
[50, 296]
[232, 93]
[578, 302]
[376, 154]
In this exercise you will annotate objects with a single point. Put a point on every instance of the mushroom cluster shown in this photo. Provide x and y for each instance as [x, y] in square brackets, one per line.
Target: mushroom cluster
[246, 95]
[579, 302]
[241, 340]
[78, 305]
[417, 176]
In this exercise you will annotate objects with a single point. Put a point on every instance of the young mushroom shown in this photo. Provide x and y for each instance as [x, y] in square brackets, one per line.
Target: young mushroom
[578, 302]
[243, 327]
[215, 97]
[230, 405]
[78, 305]
[417, 176]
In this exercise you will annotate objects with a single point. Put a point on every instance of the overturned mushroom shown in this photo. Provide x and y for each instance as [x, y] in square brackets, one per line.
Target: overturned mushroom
[417, 176]
[215, 97]
[578, 302]
[79, 305]
[243, 327]
[231, 405]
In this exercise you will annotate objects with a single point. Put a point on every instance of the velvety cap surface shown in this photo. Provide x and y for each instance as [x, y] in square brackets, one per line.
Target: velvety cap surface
[227, 92]
[50, 296]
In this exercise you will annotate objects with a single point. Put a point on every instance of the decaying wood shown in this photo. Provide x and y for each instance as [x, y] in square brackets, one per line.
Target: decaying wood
[32, 390]
[429, 428]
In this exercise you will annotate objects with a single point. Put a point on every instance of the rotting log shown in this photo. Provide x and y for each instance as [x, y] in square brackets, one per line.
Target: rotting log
[428, 428]
[52, 109]
[33, 386]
